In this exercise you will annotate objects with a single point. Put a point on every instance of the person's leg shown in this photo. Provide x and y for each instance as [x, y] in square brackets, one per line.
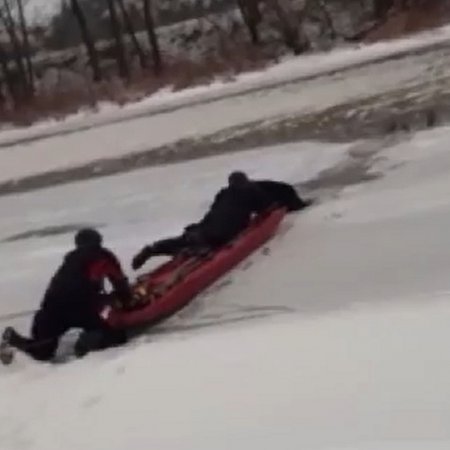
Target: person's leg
[168, 247]
[46, 330]
[97, 334]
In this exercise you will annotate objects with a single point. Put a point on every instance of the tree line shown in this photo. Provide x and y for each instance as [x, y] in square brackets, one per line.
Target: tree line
[16, 63]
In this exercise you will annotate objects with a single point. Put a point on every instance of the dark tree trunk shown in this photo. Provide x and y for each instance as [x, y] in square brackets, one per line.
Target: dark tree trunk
[26, 47]
[87, 39]
[252, 18]
[10, 27]
[382, 7]
[7, 75]
[131, 32]
[122, 64]
[290, 30]
[152, 37]
[328, 19]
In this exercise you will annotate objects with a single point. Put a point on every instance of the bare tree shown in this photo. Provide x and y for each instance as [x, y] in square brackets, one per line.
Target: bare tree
[328, 19]
[288, 22]
[8, 77]
[88, 40]
[252, 17]
[289, 25]
[131, 32]
[10, 26]
[152, 37]
[116, 30]
[26, 46]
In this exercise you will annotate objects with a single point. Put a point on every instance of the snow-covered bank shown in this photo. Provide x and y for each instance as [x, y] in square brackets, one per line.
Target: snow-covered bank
[288, 70]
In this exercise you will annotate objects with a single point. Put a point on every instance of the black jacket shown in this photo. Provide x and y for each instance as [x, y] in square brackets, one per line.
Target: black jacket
[231, 212]
[79, 281]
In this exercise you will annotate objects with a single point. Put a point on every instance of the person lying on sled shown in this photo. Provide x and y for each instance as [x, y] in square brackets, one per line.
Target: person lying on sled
[74, 299]
[228, 216]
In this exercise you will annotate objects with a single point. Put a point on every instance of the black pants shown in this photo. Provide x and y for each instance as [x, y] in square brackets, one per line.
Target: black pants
[194, 240]
[50, 324]
[174, 246]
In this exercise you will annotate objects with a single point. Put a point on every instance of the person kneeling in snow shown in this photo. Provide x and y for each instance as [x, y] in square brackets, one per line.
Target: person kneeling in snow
[74, 299]
[228, 216]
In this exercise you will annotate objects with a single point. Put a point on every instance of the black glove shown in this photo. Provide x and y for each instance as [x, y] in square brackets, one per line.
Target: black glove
[141, 258]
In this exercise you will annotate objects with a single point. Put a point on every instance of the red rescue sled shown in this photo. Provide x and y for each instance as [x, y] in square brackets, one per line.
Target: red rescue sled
[183, 278]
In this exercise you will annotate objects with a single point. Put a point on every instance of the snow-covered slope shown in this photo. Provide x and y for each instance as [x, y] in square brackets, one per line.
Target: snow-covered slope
[338, 339]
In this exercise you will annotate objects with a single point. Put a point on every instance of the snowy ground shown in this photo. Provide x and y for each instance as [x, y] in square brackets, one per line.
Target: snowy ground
[280, 91]
[336, 340]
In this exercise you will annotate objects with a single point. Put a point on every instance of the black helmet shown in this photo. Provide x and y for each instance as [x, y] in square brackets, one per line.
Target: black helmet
[88, 237]
[238, 178]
